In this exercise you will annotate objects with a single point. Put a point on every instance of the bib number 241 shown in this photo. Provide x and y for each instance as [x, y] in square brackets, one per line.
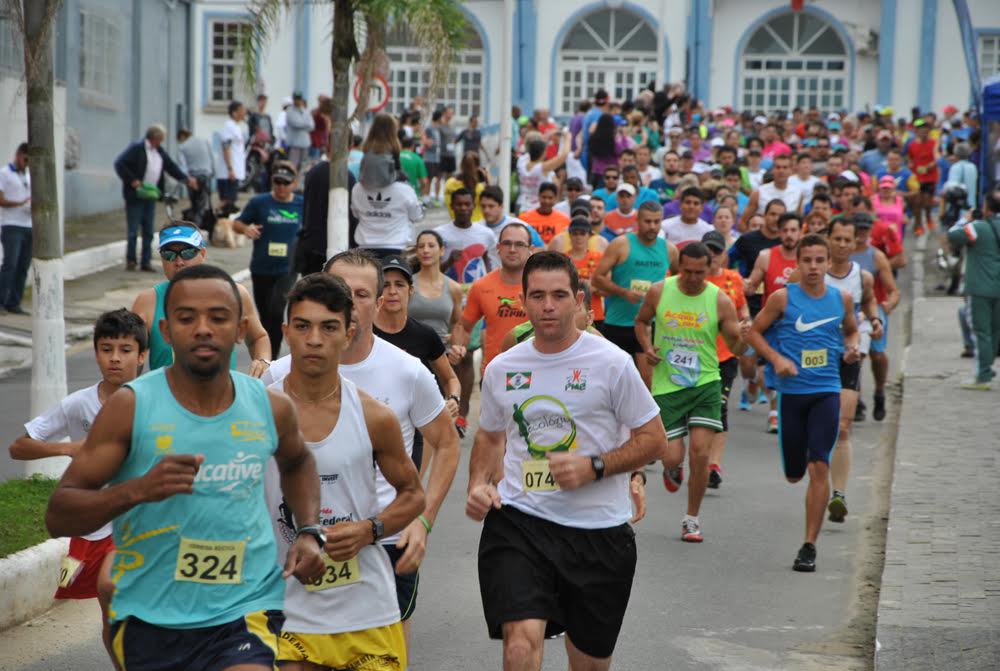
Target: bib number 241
[210, 562]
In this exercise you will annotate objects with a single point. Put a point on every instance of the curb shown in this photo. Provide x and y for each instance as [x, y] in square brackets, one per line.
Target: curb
[28, 579]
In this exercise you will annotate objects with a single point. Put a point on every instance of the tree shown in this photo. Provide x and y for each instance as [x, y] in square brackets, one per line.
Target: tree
[438, 26]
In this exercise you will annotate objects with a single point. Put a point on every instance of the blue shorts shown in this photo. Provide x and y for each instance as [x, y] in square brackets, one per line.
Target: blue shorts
[228, 189]
[880, 344]
[808, 426]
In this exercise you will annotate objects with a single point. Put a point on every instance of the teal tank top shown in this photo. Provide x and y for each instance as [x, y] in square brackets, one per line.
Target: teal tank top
[643, 267]
[161, 354]
[207, 558]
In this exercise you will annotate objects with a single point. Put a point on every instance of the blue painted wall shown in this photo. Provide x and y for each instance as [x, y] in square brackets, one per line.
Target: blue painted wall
[525, 52]
[928, 29]
[886, 52]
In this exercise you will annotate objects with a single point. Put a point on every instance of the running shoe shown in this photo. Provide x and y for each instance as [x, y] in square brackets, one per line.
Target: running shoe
[672, 478]
[714, 476]
[772, 423]
[805, 561]
[859, 412]
[968, 353]
[978, 385]
[762, 399]
[461, 424]
[744, 401]
[878, 412]
[838, 508]
[691, 532]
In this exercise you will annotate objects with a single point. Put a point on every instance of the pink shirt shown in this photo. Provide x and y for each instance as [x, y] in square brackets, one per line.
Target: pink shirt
[891, 213]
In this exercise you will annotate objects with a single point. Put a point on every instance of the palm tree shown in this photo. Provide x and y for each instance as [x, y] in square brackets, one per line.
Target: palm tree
[438, 26]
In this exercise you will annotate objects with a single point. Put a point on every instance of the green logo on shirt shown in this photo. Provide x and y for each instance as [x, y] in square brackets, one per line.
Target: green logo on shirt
[547, 427]
[517, 381]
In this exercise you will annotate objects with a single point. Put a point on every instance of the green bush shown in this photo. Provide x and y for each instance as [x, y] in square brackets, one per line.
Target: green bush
[22, 513]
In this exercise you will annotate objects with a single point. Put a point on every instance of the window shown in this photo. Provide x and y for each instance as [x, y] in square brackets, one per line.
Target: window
[610, 49]
[100, 53]
[410, 75]
[225, 63]
[794, 60]
[989, 56]
[11, 56]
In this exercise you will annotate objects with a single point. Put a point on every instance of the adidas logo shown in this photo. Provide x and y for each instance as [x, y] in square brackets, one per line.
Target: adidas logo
[378, 203]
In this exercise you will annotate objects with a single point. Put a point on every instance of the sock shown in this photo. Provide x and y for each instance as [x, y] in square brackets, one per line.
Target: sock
[837, 492]
[689, 518]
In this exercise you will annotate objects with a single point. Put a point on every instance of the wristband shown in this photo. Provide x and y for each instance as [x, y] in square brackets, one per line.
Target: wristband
[265, 362]
[427, 525]
[640, 474]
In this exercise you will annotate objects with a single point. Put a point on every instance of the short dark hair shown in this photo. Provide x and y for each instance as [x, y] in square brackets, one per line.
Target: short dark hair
[515, 225]
[732, 170]
[774, 201]
[328, 290]
[813, 240]
[202, 271]
[846, 222]
[22, 148]
[696, 250]
[462, 191]
[801, 157]
[121, 323]
[850, 184]
[728, 149]
[548, 186]
[629, 152]
[822, 198]
[789, 216]
[992, 201]
[651, 206]
[550, 261]
[233, 106]
[693, 192]
[361, 258]
[431, 232]
[493, 192]
[630, 169]
[612, 168]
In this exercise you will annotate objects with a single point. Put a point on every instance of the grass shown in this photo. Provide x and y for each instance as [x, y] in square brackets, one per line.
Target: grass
[22, 513]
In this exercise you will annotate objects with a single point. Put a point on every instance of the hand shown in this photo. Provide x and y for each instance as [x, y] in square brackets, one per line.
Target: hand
[571, 471]
[135, 184]
[785, 368]
[192, 182]
[637, 490]
[456, 354]
[252, 231]
[633, 296]
[414, 539]
[851, 354]
[451, 405]
[876, 333]
[173, 474]
[230, 174]
[258, 367]
[652, 357]
[481, 498]
[304, 560]
[70, 449]
[886, 308]
[745, 325]
[344, 540]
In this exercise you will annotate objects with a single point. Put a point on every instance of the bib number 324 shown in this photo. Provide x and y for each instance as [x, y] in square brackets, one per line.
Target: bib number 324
[210, 562]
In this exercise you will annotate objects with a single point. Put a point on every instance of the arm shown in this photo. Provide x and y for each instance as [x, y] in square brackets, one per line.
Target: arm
[616, 252]
[27, 448]
[645, 444]
[485, 470]
[12, 203]
[124, 165]
[145, 307]
[560, 158]
[172, 169]
[509, 341]
[673, 257]
[749, 211]
[850, 330]
[449, 382]
[258, 342]
[869, 307]
[644, 320]
[729, 325]
[752, 283]
[885, 275]
[772, 311]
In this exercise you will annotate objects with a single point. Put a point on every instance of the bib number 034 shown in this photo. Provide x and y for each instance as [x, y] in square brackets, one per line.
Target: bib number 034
[210, 562]
[336, 574]
[536, 476]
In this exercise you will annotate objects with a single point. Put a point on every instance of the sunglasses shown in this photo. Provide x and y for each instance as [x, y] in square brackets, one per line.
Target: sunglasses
[187, 253]
[282, 181]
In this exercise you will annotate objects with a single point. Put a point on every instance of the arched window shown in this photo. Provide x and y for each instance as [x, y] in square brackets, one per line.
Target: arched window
[795, 60]
[610, 49]
[410, 75]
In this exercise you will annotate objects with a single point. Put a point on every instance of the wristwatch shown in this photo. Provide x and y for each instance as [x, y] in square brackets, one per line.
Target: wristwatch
[314, 530]
[378, 529]
[598, 465]
[450, 397]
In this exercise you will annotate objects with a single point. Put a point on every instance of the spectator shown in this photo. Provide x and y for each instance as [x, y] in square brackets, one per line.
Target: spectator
[533, 169]
[311, 247]
[15, 231]
[230, 160]
[299, 125]
[964, 172]
[355, 155]
[194, 156]
[471, 138]
[281, 124]
[413, 165]
[259, 122]
[319, 137]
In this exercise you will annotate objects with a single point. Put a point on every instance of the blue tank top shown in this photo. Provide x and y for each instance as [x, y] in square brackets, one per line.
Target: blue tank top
[206, 558]
[866, 260]
[161, 354]
[809, 335]
[643, 267]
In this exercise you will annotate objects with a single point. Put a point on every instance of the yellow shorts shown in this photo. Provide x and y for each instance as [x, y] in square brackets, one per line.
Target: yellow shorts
[376, 649]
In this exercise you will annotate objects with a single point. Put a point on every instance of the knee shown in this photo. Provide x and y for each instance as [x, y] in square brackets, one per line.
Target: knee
[818, 470]
[105, 591]
[844, 431]
[519, 648]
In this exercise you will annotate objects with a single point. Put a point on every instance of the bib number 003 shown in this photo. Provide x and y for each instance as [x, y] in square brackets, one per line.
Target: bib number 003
[813, 358]
[336, 574]
[536, 476]
[210, 562]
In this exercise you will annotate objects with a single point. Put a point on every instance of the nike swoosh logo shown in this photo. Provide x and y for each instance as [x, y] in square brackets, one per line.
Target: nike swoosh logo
[802, 326]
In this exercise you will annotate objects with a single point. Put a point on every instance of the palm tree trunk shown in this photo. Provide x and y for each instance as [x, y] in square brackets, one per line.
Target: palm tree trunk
[343, 53]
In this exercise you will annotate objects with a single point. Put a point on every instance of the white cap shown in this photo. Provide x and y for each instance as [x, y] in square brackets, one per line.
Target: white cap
[716, 141]
[286, 101]
[833, 116]
[625, 186]
[760, 119]
[699, 168]
[851, 176]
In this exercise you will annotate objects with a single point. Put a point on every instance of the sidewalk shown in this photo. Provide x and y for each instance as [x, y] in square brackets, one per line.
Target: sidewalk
[939, 606]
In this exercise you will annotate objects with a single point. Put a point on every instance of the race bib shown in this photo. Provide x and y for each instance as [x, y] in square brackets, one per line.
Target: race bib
[640, 286]
[813, 358]
[277, 249]
[687, 367]
[210, 562]
[68, 570]
[336, 574]
[536, 476]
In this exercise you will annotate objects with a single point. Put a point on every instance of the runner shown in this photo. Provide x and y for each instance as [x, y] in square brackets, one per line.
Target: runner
[546, 220]
[120, 350]
[623, 218]
[491, 203]
[586, 261]
[922, 155]
[813, 327]
[779, 189]
[182, 450]
[687, 227]
[630, 265]
[466, 244]
[556, 552]
[181, 246]
[584, 322]
[350, 616]
[689, 314]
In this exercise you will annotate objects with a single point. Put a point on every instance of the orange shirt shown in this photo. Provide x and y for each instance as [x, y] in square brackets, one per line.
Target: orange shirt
[548, 225]
[500, 305]
[585, 267]
[621, 223]
[732, 285]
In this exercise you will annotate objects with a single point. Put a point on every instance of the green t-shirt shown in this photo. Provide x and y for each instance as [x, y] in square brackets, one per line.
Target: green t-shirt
[414, 167]
[982, 257]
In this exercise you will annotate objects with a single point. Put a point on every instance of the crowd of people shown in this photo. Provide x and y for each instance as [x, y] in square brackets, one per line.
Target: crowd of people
[656, 252]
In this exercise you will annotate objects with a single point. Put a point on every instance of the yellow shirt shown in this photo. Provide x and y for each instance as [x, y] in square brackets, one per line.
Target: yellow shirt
[454, 184]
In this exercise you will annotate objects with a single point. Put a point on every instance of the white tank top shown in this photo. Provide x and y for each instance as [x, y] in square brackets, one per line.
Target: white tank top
[346, 468]
[851, 283]
[790, 196]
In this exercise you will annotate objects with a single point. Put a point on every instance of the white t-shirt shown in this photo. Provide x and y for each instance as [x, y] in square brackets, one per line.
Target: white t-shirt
[386, 216]
[395, 378]
[473, 242]
[15, 186]
[677, 232]
[756, 177]
[154, 165]
[806, 186]
[528, 182]
[791, 196]
[232, 136]
[589, 396]
[649, 174]
[71, 418]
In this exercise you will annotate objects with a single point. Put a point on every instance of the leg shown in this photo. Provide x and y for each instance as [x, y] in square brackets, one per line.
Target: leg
[982, 327]
[995, 331]
[466, 373]
[133, 218]
[816, 497]
[579, 661]
[523, 644]
[748, 371]
[822, 419]
[880, 371]
[276, 310]
[105, 591]
[674, 455]
[701, 442]
[964, 319]
[8, 237]
[840, 465]
[147, 221]
[23, 262]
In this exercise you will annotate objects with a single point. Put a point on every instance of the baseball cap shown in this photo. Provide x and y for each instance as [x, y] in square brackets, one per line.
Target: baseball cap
[886, 181]
[675, 130]
[626, 187]
[863, 220]
[620, 120]
[949, 110]
[833, 116]
[883, 134]
[851, 176]
[580, 223]
[761, 120]
[833, 125]
[714, 241]
[297, 95]
[395, 262]
[919, 122]
[286, 101]
[580, 205]
[185, 234]
[283, 170]
[601, 97]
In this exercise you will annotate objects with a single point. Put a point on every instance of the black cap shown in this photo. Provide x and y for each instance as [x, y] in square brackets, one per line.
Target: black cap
[714, 241]
[397, 263]
[687, 153]
[580, 206]
[580, 224]
[297, 95]
[283, 170]
[863, 220]
[574, 182]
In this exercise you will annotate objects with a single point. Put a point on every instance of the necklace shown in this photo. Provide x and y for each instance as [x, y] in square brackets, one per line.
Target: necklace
[309, 400]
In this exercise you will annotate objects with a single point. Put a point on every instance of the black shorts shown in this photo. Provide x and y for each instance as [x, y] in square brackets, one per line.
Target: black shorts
[433, 169]
[141, 646]
[850, 375]
[228, 189]
[577, 580]
[623, 336]
[447, 164]
[406, 584]
[808, 425]
[728, 370]
[928, 188]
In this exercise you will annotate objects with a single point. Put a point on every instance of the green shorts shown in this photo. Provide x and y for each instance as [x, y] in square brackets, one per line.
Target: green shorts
[698, 406]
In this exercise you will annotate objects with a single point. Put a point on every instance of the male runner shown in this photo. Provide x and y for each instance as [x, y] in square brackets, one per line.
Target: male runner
[182, 246]
[813, 328]
[689, 313]
[545, 219]
[565, 418]
[630, 265]
[120, 351]
[182, 451]
[349, 618]
[688, 226]
[922, 153]
[779, 189]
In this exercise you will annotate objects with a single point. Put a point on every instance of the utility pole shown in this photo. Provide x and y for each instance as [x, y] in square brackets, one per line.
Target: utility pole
[506, 99]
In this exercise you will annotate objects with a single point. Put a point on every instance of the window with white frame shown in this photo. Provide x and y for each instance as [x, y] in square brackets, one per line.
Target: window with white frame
[989, 56]
[410, 75]
[100, 54]
[610, 49]
[11, 56]
[794, 60]
[225, 69]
